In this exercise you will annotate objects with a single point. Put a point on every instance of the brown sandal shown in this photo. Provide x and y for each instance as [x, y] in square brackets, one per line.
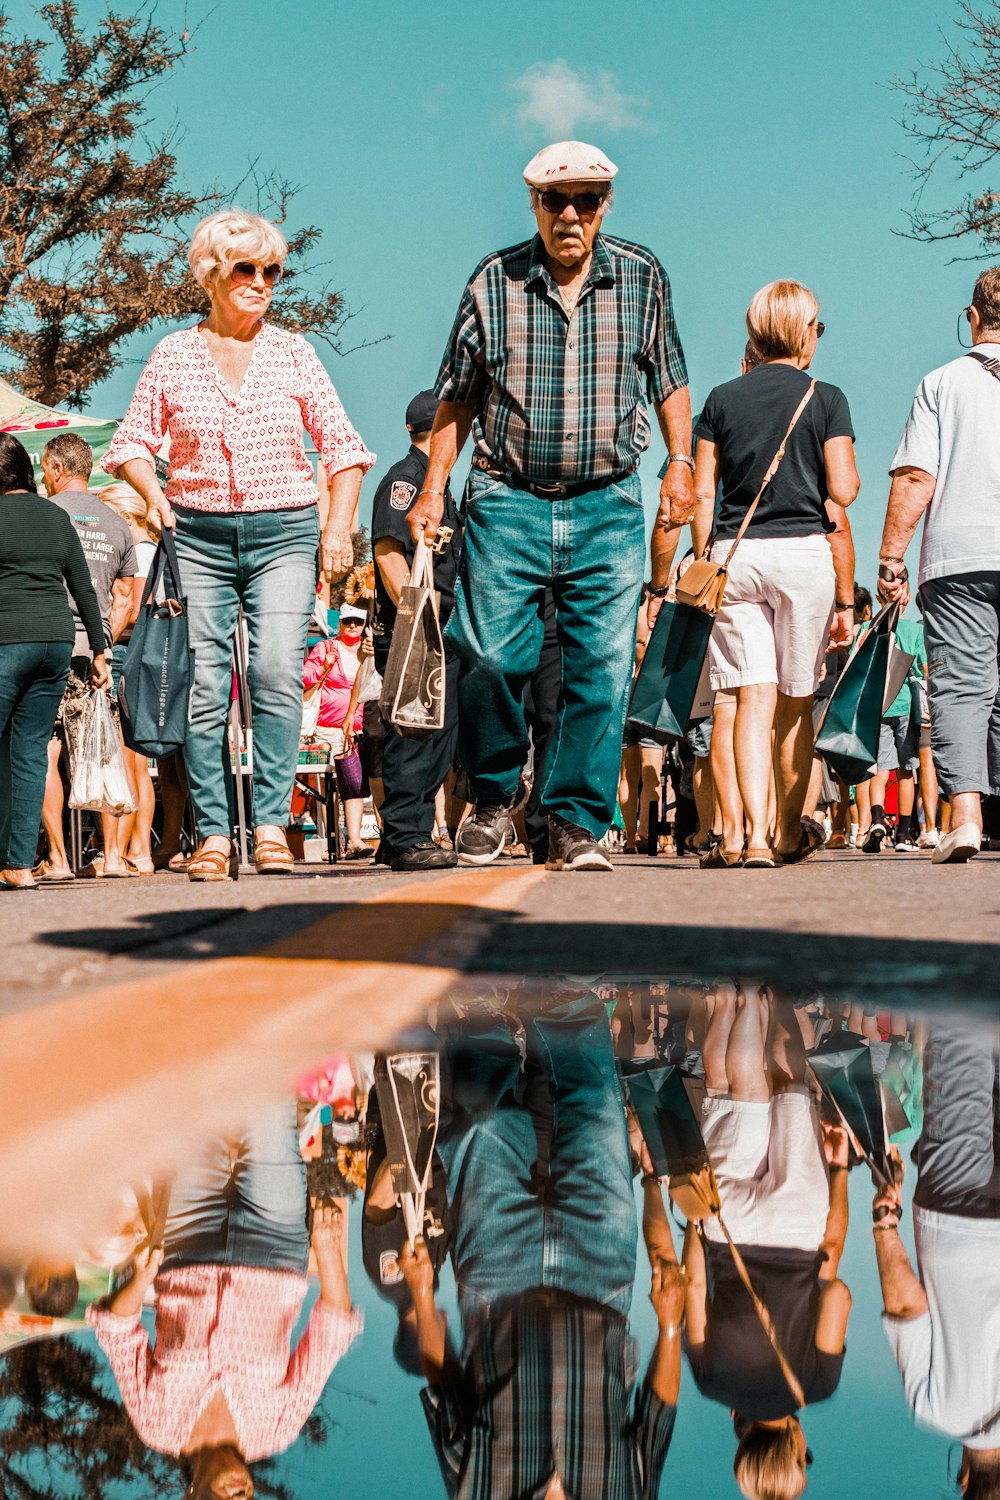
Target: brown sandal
[759, 859]
[272, 858]
[213, 864]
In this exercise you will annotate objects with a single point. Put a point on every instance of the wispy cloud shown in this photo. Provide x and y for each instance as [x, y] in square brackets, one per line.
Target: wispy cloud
[561, 100]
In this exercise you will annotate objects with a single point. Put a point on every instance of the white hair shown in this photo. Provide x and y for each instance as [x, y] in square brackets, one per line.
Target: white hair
[230, 235]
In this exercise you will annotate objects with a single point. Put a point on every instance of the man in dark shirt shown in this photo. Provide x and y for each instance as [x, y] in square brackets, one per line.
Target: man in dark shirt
[413, 770]
[557, 346]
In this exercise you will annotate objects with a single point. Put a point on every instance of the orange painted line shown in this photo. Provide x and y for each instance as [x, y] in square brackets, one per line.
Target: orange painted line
[132, 1074]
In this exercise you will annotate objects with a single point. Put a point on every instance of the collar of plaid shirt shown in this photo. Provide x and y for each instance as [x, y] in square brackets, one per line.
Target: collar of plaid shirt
[560, 396]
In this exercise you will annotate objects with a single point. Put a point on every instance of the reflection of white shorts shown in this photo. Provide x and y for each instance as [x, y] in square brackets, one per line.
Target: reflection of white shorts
[774, 624]
[770, 1168]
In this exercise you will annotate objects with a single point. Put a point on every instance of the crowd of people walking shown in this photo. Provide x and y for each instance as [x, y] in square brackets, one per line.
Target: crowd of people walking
[561, 348]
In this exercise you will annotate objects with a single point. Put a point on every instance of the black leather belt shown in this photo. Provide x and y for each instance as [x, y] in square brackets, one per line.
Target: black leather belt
[547, 491]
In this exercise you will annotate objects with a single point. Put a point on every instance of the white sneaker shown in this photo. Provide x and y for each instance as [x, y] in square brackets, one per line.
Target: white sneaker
[958, 846]
[905, 845]
[929, 839]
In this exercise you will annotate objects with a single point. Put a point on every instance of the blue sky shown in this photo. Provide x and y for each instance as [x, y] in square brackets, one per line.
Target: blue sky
[754, 141]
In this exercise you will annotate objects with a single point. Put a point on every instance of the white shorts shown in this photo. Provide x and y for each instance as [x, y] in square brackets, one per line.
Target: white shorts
[775, 620]
[770, 1168]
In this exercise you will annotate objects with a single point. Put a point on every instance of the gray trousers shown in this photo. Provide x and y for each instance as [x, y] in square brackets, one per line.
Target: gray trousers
[962, 635]
[958, 1159]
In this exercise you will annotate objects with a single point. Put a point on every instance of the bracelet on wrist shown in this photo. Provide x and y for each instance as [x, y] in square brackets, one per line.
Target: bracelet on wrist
[432, 492]
[681, 458]
[658, 593]
[648, 1177]
[841, 608]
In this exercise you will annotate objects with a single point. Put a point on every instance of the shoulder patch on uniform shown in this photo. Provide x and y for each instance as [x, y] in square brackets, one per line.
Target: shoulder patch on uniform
[401, 494]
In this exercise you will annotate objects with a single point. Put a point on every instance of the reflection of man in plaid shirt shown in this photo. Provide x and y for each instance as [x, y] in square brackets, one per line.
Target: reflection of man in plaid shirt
[557, 344]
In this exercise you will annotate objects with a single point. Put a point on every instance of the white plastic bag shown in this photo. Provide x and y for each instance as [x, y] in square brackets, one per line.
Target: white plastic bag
[100, 780]
[369, 680]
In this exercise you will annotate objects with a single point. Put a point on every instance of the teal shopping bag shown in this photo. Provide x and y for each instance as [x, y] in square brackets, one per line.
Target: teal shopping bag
[665, 687]
[847, 737]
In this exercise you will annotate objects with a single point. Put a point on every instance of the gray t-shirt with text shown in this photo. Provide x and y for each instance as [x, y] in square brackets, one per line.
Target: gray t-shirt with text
[107, 546]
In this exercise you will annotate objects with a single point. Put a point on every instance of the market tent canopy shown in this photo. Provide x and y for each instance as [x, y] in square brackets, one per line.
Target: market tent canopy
[33, 424]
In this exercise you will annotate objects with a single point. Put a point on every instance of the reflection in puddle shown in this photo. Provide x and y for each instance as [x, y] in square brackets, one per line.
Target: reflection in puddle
[592, 1237]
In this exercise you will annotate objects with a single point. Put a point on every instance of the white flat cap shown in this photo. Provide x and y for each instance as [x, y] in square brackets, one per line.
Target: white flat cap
[568, 161]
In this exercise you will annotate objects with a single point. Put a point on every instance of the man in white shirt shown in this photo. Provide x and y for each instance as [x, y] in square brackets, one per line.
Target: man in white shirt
[943, 1324]
[947, 469]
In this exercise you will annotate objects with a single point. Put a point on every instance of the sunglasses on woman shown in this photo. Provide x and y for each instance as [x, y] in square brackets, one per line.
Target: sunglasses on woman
[585, 204]
[243, 272]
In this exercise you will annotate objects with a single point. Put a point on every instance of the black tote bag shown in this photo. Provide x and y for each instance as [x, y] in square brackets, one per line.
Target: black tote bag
[664, 690]
[155, 686]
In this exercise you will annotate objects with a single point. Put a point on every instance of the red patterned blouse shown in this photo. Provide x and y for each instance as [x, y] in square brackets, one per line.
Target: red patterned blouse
[229, 1329]
[238, 452]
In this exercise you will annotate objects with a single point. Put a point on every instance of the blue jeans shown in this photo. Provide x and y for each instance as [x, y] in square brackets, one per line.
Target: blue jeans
[245, 1204]
[591, 551]
[962, 635]
[32, 678]
[266, 561]
[539, 1178]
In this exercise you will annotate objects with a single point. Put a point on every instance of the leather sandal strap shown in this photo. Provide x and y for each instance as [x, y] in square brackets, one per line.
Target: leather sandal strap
[214, 860]
[274, 852]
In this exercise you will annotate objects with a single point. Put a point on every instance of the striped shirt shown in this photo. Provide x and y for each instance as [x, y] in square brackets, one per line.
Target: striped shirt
[559, 395]
[547, 1388]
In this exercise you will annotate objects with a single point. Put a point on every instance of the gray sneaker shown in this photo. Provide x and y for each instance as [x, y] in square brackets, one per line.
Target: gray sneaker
[482, 838]
[573, 848]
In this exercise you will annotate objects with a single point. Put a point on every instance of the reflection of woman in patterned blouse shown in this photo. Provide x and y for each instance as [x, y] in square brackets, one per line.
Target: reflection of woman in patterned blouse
[220, 1387]
[233, 394]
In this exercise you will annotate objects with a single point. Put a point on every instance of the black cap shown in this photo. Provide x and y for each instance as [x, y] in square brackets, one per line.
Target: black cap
[421, 412]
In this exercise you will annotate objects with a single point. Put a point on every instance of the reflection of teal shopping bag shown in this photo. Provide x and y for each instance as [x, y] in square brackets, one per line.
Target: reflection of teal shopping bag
[842, 1065]
[665, 687]
[848, 734]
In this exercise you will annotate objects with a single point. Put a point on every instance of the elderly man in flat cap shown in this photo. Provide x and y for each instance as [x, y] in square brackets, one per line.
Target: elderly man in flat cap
[557, 345]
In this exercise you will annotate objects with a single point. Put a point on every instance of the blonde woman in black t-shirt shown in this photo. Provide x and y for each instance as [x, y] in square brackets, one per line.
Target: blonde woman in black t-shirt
[784, 601]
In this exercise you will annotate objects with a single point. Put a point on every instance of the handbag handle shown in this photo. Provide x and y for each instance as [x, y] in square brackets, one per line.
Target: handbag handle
[422, 568]
[772, 470]
[165, 561]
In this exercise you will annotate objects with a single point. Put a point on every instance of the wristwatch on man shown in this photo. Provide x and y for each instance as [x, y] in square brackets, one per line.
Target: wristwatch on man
[681, 458]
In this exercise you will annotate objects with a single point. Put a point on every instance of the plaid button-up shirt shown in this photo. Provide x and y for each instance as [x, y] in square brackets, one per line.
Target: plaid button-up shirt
[559, 395]
[548, 1388]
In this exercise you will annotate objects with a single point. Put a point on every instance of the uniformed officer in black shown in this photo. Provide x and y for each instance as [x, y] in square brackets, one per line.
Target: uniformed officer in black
[414, 769]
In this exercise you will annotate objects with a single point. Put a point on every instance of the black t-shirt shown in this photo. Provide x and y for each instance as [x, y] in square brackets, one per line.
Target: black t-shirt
[394, 499]
[736, 1365]
[747, 418]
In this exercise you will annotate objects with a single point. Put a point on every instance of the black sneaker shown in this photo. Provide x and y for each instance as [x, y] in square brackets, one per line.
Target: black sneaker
[424, 856]
[482, 838]
[573, 848]
[876, 833]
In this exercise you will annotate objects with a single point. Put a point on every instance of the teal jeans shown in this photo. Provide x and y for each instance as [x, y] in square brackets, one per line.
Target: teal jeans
[266, 561]
[591, 551]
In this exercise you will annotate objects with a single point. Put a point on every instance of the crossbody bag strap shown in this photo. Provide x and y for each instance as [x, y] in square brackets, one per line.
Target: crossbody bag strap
[988, 362]
[772, 470]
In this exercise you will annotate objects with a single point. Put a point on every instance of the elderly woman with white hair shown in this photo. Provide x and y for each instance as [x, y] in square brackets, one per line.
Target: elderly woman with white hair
[785, 600]
[233, 394]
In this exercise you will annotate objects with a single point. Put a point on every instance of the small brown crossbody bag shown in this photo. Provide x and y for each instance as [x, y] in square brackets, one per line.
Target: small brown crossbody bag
[704, 582]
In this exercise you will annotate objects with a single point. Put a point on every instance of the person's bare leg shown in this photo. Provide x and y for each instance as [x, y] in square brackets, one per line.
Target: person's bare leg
[376, 787]
[628, 794]
[704, 796]
[52, 814]
[786, 1047]
[811, 805]
[928, 788]
[722, 759]
[746, 1066]
[139, 845]
[863, 798]
[173, 795]
[752, 737]
[650, 772]
[966, 807]
[113, 838]
[353, 810]
[793, 764]
[720, 1008]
